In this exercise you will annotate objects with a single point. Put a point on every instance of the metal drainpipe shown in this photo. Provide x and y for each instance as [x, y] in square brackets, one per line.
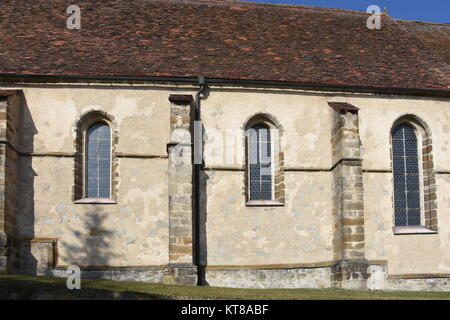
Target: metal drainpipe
[201, 281]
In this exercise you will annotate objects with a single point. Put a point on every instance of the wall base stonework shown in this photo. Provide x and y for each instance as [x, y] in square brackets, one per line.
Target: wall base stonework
[379, 279]
[428, 284]
[170, 274]
[8, 254]
[184, 274]
[318, 278]
[152, 275]
[322, 277]
[3, 253]
[36, 256]
[350, 274]
[360, 276]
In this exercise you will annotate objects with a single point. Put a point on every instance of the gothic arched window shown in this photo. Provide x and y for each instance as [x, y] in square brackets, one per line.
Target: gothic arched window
[98, 161]
[414, 194]
[264, 161]
[407, 191]
[260, 163]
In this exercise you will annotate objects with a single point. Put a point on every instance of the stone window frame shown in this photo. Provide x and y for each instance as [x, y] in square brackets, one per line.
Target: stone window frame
[81, 127]
[278, 164]
[428, 212]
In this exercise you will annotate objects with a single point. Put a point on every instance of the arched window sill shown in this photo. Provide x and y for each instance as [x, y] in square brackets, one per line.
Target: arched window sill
[413, 230]
[95, 201]
[263, 203]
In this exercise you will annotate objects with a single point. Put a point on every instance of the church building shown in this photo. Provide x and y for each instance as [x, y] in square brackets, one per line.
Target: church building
[224, 143]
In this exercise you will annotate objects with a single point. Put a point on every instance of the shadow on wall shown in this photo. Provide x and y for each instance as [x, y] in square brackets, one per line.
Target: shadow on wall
[89, 244]
[25, 216]
[91, 247]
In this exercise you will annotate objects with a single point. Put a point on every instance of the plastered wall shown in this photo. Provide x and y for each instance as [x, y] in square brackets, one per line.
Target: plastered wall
[406, 254]
[300, 231]
[134, 232]
[240, 235]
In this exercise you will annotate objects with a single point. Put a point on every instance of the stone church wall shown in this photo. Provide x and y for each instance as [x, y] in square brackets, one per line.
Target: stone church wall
[304, 242]
[132, 232]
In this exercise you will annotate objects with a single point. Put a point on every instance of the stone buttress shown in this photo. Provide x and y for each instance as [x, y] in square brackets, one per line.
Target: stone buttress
[350, 269]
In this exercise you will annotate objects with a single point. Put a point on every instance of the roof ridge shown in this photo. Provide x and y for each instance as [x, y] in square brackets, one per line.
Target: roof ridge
[250, 3]
[447, 24]
[247, 3]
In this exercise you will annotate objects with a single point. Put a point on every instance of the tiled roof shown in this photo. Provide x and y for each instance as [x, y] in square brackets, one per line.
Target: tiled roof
[221, 40]
[436, 36]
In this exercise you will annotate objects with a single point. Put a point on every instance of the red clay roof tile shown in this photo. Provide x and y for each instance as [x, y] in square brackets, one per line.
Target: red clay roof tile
[219, 39]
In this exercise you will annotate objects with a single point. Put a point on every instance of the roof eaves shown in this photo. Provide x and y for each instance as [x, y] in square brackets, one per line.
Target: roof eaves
[219, 81]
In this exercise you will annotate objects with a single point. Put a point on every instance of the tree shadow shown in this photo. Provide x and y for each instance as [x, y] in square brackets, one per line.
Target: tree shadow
[92, 250]
[91, 247]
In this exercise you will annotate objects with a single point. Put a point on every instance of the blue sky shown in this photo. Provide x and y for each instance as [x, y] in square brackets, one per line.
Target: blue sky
[424, 10]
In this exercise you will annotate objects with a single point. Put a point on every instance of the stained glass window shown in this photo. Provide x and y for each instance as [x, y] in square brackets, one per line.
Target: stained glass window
[260, 163]
[406, 176]
[98, 160]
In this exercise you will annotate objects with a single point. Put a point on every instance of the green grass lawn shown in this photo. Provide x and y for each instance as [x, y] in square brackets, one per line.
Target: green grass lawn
[105, 289]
